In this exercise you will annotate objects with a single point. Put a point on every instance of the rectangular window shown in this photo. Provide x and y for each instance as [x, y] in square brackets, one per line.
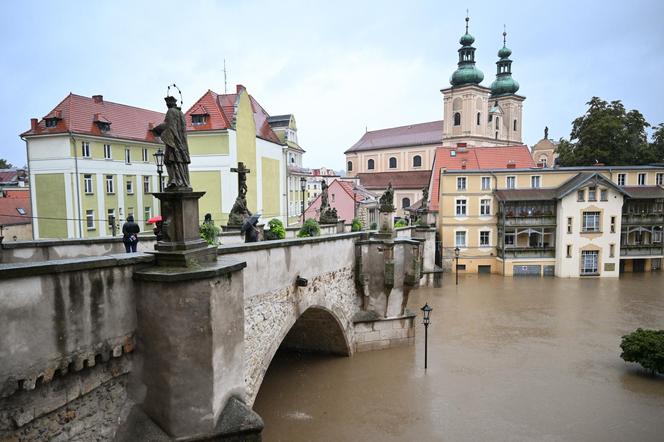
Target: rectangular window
[484, 238]
[509, 239]
[510, 182]
[127, 156]
[85, 149]
[592, 193]
[613, 224]
[485, 207]
[147, 214]
[461, 208]
[569, 250]
[130, 212]
[486, 183]
[146, 184]
[612, 250]
[659, 179]
[569, 224]
[460, 239]
[604, 195]
[90, 219]
[657, 235]
[642, 179]
[87, 183]
[591, 221]
[145, 155]
[621, 179]
[581, 195]
[589, 261]
[535, 181]
[197, 120]
[461, 183]
[110, 187]
[130, 187]
[108, 153]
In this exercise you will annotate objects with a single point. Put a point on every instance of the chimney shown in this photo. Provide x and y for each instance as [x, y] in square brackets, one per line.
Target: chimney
[511, 164]
[99, 99]
[33, 123]
[463, 164]
[239, 88]
[462, 144]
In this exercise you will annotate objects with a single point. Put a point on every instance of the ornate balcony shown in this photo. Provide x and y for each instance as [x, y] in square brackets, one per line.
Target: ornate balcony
[527, 252]
[641, 250]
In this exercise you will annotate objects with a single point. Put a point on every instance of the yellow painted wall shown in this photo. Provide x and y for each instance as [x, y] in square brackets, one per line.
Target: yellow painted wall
[111, 199]
[271, 197]
[208, 144]
[51, 203]
[246, 145]
[210, 183]
[130, 200]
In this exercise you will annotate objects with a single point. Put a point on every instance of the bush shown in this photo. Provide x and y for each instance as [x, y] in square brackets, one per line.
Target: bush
[374, 226]
[276, 230]
[310, 228]
[400, 223]
[645, 347]
[210, 233]
[356, 225]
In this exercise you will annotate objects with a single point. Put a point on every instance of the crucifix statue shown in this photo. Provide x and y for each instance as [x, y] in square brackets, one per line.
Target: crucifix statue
[240, 211]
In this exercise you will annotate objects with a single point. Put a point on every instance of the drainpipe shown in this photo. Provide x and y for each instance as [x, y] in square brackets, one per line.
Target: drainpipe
[32, 187]
[78, 190]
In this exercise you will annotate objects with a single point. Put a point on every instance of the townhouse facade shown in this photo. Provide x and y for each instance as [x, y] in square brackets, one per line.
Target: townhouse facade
[567, 222]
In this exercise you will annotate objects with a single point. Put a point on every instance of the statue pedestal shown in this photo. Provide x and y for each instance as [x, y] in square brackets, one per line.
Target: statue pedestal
[386, 225]
[181, 244]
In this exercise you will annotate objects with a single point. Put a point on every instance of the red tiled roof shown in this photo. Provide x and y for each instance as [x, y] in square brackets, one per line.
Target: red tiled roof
[9, 205]
[411, 135]
[476, 158]
[221, 114]
[358, 192]
[400, 180]
[78, 115]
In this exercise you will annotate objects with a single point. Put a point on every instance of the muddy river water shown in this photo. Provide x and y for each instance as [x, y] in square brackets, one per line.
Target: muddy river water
[510, 359]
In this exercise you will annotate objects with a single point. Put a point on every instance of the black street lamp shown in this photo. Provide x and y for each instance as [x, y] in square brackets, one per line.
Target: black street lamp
[159, 161]
[426, 320]
[456, 270]
[303, 186]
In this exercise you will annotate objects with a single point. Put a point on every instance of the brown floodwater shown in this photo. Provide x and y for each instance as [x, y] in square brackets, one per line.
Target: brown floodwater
[510, 359]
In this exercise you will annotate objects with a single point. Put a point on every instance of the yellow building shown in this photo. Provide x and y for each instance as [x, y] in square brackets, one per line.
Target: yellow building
[568, 222]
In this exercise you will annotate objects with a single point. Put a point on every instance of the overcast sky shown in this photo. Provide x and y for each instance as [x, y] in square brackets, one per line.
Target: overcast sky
[338, 66]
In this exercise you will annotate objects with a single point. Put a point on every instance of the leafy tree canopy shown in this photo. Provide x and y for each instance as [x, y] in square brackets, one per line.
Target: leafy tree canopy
[611, 135]
[4, 164]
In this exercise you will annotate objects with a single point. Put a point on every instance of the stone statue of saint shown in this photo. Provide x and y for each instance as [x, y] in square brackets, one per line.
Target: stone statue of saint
[425, 198]
[546, 132]
[173, 133]
[323, 195]
[387, 200]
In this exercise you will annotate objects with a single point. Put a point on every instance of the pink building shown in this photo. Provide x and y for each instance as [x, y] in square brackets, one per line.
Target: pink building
[343, 196]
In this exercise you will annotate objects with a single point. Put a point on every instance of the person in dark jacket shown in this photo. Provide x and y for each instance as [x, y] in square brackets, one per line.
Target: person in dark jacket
[130, 234]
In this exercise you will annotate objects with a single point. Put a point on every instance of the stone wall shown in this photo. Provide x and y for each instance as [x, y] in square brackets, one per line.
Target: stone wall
[384, 333]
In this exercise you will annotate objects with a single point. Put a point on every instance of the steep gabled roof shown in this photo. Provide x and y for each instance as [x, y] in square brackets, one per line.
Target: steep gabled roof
[400, 180]
[78, 114]
[584, 178]
[411, 135]
[221, 110]
[15, 208]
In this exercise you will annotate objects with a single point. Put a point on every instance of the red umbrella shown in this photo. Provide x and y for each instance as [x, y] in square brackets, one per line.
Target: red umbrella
[154, 219]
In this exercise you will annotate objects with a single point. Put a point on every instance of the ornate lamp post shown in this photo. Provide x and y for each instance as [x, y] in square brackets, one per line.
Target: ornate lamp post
[159, 161]
[303, 186]
[426, 311]
[456, 269]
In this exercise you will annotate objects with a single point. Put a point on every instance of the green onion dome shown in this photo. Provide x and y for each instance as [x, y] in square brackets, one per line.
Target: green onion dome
[466, 73]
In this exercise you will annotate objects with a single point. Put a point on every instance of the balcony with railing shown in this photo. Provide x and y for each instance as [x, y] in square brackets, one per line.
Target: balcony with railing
[527, 213]
[641, 241]
[526, 242]
[510, 252]
[643, 212]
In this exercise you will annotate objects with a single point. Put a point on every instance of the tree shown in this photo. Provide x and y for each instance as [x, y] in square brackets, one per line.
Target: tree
[645, 347]
[607, 133]
[657, 145]
[4, 164]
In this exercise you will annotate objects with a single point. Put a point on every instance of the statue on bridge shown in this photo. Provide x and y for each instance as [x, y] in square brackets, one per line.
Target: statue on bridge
[387, 200]
[328, 215]
[240, 212]
[425, 199]
[173, 133]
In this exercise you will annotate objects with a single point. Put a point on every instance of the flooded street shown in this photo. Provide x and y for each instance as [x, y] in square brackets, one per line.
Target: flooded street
[509, 359]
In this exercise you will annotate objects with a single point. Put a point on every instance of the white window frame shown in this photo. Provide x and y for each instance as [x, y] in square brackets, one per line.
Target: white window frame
[659, 179]
[642, 178]
[593, 227]
[485, 206]
[589, 262]
[465, 238]
[110, 183]
[534, 178]
[88, 188]
[592, 193]
[457, 206]
[507, 182]
[622, 179]
[464, 180]
[488, 235]
[543, 161]
[90, 219]
[127, 155]
[145, 154]
[147, 185]
[130, 187]
[85, 149]
[486, 179]
[108, 152]
[147, 213]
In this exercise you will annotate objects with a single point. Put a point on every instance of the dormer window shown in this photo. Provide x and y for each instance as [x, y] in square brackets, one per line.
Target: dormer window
[104, 127]
[103, 123]
[198, 120]
[51, 122]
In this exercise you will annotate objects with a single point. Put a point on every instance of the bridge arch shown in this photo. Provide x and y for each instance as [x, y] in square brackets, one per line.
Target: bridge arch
[320, 329]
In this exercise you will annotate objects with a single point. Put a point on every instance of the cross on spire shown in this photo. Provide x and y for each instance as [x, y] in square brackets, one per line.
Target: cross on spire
[504, 35]
[467, 20]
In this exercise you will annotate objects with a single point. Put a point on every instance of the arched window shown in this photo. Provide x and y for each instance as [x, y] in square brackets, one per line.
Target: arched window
[457, 119]
[543, 161]
[515, 125]
[479, 118]
[405, 203]
[393, 163]
[370, 164]
[417, 161]
[497, 123]
[349, 166]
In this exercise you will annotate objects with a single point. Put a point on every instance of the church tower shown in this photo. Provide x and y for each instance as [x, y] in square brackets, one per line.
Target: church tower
[465, 103]
[505, 107]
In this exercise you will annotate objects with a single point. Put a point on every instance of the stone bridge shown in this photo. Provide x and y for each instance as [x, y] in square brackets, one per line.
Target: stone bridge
[85, 339]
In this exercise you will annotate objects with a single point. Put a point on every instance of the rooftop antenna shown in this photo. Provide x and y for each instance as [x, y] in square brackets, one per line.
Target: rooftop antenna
[225, 73]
